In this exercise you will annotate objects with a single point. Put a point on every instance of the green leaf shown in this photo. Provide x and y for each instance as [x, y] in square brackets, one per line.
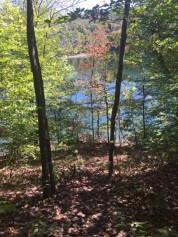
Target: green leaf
[6, 207]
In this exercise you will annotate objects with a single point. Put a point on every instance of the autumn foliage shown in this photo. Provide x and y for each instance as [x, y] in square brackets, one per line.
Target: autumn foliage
[99, 45]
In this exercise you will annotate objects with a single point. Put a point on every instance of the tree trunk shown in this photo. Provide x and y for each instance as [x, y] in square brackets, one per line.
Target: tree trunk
[107, 118]
[51, 172]
[118, 84]
[120, 141]
[144, 129]
[44, 141]
[91, 102]
[135, 132]
[98, 124]
[92, 117]
[107, 105]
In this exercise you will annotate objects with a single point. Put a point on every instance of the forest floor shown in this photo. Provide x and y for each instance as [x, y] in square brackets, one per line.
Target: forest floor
[140, 200]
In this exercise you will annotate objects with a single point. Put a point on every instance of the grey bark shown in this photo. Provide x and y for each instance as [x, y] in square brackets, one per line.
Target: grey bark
[118, 84]
[48, 184]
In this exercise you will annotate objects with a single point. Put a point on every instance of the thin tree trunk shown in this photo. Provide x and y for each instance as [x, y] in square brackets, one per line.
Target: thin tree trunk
[144, 128]
[92, 117]
[51, 172]
[107, 106]
[46, 36]
[44, 141]
[98, 124]
[56, 115]
[118, 84]
[132, 117]
[120, 132]
[91, 102]
[107, 118]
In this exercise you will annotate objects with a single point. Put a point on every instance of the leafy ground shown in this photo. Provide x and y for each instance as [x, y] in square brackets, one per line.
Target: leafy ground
[140, 199]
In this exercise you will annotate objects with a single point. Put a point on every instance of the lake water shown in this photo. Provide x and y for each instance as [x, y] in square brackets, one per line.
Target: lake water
[81, 98]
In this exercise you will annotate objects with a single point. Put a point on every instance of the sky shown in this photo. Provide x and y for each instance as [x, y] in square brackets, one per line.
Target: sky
[91, 3]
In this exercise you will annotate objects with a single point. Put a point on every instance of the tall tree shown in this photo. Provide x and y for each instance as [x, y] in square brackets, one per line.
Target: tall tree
[118, 84]
[96, 49]
[44, 140]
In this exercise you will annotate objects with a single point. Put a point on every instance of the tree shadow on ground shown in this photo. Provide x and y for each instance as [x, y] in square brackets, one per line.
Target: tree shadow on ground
[91, 205]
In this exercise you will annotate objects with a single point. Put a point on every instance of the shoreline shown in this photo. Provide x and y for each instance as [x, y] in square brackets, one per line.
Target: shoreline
[81, 55]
